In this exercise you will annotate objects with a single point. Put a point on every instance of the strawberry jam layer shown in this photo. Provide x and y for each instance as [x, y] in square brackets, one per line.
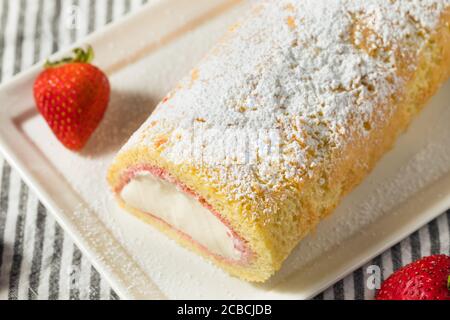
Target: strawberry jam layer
[153, 191]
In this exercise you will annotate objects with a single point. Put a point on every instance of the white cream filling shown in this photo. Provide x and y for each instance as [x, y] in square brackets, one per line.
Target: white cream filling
[163, 200]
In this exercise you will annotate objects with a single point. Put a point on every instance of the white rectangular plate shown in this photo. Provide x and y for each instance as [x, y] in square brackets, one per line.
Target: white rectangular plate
[145, 55]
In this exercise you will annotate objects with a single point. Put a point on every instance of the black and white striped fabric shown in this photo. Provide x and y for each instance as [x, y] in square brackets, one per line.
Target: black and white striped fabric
[37, 259]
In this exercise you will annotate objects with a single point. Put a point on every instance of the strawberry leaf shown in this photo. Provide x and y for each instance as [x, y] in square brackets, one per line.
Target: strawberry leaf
[79, 56]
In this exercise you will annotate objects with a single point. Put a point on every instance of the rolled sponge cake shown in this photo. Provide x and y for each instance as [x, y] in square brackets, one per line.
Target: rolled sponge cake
[281, 119]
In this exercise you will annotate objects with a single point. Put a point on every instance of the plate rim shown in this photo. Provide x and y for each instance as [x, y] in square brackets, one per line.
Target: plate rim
[10, 155]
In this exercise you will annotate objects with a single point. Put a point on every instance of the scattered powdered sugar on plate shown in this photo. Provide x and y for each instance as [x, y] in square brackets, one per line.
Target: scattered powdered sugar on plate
[421, 157]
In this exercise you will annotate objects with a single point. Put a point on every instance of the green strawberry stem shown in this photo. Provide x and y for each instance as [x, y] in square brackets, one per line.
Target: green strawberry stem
[80, 56]
[448, 283]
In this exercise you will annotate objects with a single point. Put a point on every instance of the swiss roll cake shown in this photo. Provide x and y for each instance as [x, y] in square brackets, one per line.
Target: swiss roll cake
[280, 120]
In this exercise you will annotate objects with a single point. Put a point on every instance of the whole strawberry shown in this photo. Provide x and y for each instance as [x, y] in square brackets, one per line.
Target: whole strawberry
[425, 279]
[72, 95]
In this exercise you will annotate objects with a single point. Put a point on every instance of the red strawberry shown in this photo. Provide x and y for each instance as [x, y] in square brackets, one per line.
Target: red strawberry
[425, 279]
[72, 95]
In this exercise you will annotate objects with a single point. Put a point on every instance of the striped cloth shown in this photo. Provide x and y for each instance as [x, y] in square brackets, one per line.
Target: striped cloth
[37, 259]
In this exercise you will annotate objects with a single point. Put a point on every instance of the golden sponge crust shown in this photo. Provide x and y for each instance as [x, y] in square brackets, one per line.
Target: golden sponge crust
[296, 207]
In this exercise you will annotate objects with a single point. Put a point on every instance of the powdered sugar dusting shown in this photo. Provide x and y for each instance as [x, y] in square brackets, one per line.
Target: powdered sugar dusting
[421, 156]
[315, 72]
